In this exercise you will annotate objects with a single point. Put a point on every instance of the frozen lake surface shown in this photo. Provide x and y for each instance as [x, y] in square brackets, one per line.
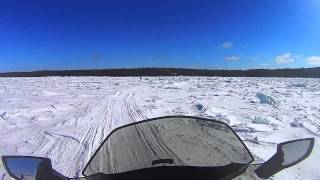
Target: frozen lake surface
[66, 118]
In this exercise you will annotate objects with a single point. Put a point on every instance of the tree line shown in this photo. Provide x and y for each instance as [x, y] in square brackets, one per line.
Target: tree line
[123, 72]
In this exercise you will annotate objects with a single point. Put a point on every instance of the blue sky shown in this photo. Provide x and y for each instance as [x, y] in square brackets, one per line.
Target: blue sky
[215, 34]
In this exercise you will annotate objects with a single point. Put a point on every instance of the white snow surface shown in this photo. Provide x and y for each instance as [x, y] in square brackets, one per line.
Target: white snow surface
[66, 118]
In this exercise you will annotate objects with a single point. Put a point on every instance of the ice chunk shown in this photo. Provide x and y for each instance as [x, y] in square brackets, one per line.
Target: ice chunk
[242, 129]
[3, 115]
[199, 107]
[295, 124]
[265, 99]
[260, 120]
[300, 85]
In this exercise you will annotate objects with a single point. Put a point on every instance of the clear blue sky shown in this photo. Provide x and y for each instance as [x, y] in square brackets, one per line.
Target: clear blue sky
[232, 34]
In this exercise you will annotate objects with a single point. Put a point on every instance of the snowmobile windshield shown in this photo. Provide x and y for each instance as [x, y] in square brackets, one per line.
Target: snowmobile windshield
[168, 141]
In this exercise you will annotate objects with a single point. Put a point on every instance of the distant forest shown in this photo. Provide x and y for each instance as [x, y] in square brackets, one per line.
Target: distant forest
[301, 72]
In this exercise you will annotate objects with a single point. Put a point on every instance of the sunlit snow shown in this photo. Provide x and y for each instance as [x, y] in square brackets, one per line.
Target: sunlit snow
[66, 118]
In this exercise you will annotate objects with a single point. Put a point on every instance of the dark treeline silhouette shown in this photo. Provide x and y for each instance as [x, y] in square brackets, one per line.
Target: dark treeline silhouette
[301, 72]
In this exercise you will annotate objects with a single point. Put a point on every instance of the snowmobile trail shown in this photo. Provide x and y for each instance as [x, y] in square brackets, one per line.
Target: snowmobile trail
[106, 115]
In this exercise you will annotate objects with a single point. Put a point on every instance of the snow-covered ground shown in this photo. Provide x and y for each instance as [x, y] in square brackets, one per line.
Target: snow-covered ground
[66, 118]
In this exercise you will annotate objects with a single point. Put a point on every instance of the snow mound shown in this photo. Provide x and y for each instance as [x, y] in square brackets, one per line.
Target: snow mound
[265, 99]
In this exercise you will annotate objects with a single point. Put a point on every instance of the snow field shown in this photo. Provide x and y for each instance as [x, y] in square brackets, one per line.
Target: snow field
[66, 118]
